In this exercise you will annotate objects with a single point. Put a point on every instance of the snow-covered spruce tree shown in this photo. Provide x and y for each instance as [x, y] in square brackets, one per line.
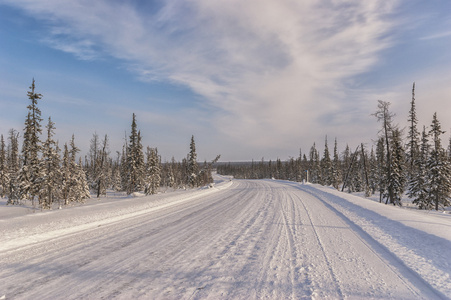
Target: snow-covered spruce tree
[326, 166]
[383, 115]
[192, 166]
[66, 177]
[439, 169]
[91, 161]
[346, 161]
[50, 164]
[101, 169]
[4, 174]
[135, 161]
[75, 187]
[336, 168]
[170, 176]
[81, 186]
[354, 182]
[314, 163]
[30, 175]
[417, 188]
[373, 173]
[381, 168]
[153, 169]
[412, 137]
[398, 178]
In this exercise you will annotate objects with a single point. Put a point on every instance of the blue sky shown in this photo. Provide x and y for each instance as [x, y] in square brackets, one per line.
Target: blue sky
[249, 79]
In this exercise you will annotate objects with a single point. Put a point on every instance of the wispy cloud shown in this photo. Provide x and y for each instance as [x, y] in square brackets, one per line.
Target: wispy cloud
[440, 35]
[273, 69]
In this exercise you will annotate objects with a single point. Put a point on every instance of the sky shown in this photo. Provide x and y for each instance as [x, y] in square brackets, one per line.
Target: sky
[249, 79]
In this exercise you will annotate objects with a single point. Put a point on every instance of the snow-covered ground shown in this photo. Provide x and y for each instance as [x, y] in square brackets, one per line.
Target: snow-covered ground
[241, 239]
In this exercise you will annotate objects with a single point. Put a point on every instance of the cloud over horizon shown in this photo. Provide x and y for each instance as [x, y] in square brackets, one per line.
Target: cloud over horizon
[270, 70]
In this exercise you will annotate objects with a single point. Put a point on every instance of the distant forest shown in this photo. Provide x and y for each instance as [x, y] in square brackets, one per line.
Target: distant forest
[45, 174]
[417, 164]
[42, 172]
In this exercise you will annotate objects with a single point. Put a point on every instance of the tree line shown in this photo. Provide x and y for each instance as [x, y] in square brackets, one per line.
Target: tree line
[417, 166]
[44, 174]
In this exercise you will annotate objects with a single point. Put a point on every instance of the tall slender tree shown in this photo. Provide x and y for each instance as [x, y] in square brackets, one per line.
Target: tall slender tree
[50, 189]
[417, 187]
[30, 175]
[384, 115]
[412, 137]
[4, 174]
[326, 166]
[439, 169]
[153, 172]
[398, 179]
[192, 167]
[135, 160]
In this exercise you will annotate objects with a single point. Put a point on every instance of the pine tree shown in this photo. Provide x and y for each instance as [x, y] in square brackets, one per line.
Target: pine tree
[417, 188]
[81, 191]
[50, 189]
[383, 114]
[336, 168]
[398, 179]
[66, 177]
[13, 163]
[4, 174]
[381, 168]
[315, 169]
[192, 167]
[373, 173]
[346, 163]
[92, 161]
[153, 172]
[326, 166]
[412, 136]
[439, 170]
[30, 175]
[135, 160]
[100, 168]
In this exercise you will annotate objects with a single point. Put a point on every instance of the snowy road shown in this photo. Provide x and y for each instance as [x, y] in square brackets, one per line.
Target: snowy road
[247, 240]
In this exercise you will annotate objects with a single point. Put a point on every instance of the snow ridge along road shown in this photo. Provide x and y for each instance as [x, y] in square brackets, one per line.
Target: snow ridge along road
[246, 239]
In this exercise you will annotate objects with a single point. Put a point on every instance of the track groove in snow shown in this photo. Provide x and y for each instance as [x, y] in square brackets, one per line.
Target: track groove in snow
[248, 239]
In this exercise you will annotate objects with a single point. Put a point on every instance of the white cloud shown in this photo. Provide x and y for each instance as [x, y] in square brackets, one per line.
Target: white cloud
[273, 69]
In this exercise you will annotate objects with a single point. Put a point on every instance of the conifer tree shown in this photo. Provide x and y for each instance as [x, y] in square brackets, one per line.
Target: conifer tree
[92, 161]
[50, 189]
[439, 170]
[383, 115]
[66, 177]
[381, 168]
[398, 179]
[346, 162]
[81, 184]
[30, 175]
[153, 172]
[100, 168]
[315, 169]
[135, 160]
[326, 166]
[412, 136]
[417, 188]
[336, 168]
[4, 174]
[373, 173]
[192, 167]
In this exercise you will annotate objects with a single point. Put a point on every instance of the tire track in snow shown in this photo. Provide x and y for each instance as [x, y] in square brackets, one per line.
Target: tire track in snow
[410, 279]
[323, 251]
[69, 261]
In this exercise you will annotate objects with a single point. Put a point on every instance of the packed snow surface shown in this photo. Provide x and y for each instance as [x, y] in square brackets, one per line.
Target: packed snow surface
[241, 239]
